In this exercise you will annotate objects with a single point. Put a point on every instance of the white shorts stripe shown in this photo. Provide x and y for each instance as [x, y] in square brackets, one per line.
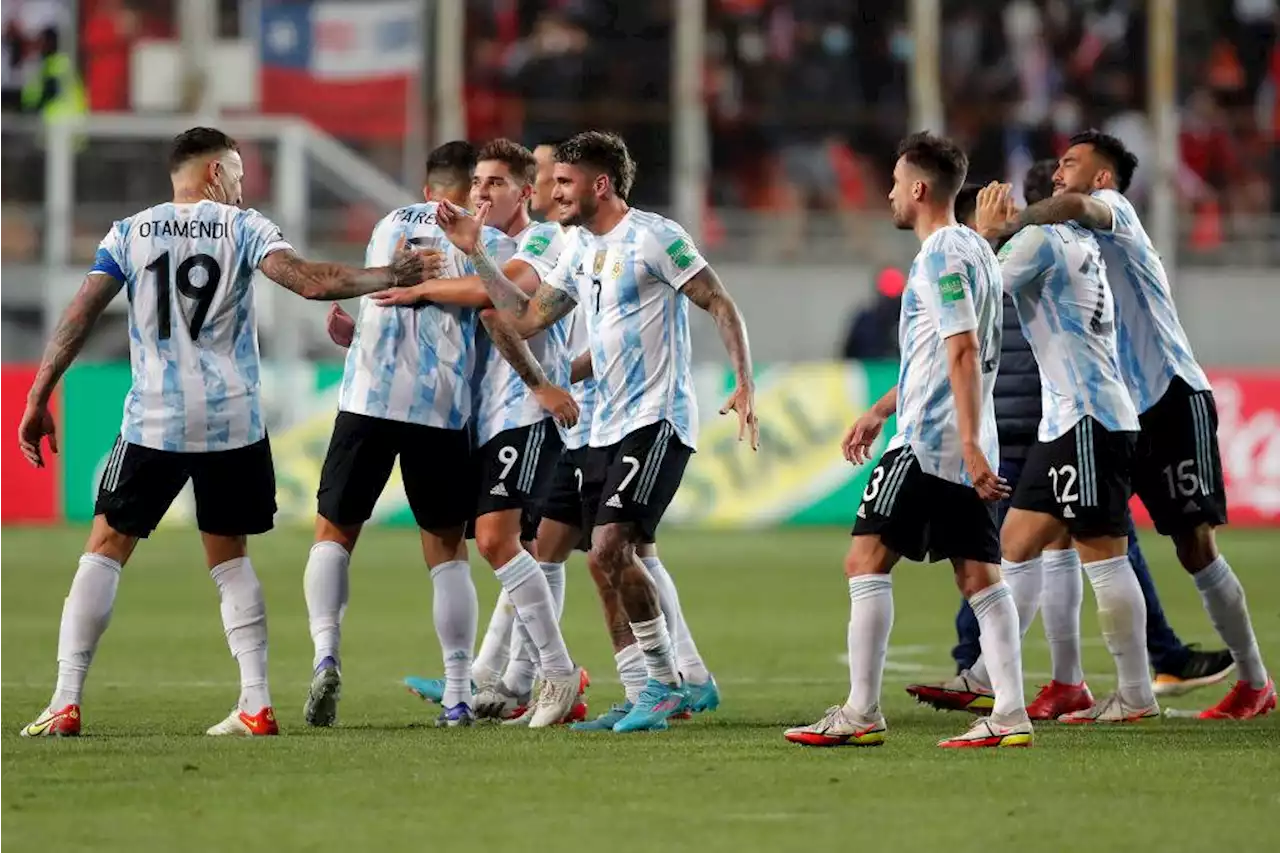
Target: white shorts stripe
[893, 483]
[1093, 462]
[654, 464]
[111, 474]
[1203, 434]
[532, 450]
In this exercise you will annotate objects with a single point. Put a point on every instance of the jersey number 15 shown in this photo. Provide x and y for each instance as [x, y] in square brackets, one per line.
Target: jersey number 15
[202, 293]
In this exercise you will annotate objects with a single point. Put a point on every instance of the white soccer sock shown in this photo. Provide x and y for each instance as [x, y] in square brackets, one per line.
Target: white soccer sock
[1224, 601]
[1061, 602]
[244, 620]
[631, 671]
[524, 581]
[870, 622]
[327, 589]
[555, 580]
[522, 667]
[998, 620]
[455, 611]
[688, 659]
[1025, 581]
[495, 648]
[85, 616]
[659, 658]
[1122, 616]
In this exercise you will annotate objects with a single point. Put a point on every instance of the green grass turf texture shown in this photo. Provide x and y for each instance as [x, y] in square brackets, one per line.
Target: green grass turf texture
[769, 612]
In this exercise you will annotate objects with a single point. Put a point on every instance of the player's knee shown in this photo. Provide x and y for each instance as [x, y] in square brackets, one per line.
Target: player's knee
[220, 549]
[610, 545]
[345, 535]
[498, 543]
[1196, 548]
[866, 556]
[108, 542]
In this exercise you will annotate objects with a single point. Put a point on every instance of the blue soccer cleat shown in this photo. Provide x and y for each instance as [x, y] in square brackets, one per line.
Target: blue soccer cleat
[428, 689]
[704, 696]
[657, 702]
[606, 721]
[455, 717]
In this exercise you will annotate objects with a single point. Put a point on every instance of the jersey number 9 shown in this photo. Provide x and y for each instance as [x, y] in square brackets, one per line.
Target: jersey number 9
[202, 292]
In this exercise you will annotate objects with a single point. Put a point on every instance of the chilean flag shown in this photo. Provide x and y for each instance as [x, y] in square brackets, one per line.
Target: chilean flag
[345, 66]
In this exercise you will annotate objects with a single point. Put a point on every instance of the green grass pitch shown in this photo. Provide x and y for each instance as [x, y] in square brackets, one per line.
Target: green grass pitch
[769, 613]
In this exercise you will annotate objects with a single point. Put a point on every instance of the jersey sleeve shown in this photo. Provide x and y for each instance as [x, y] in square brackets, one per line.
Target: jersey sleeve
[499, 246]
[540, 248]
[948, 292]
[259, 237]
[1024, 258]
[112, 256]
[1124, 218]
[382, 242]
[671, 254]
[568, 270]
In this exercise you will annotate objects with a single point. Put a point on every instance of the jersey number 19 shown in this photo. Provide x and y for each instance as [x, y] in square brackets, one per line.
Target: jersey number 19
[202, 292]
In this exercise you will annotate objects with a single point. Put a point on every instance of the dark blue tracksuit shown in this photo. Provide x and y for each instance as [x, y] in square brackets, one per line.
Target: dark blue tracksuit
[1017, 399]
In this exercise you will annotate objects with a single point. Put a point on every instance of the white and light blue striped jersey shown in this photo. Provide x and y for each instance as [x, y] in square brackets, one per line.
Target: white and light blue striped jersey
[953, 288]
[414, 363]
[503, 401]
[628, 283]
[1058, 281]
[584, 392]
[193, 337]
[1153, 346]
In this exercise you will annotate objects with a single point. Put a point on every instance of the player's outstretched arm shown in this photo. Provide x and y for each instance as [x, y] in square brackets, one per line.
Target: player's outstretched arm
[68, 339]
[966, 384]
[1064, 207]
[466, 292]
[707, 292]
[557, 401]
[322, 280]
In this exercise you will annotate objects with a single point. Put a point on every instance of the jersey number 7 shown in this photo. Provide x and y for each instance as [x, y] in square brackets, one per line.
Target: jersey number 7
[202, 293]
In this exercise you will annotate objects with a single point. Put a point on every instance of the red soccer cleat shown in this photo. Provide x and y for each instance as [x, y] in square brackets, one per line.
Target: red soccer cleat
[1244, 702]
[1056, 699]
[238, 723]
[51, 723]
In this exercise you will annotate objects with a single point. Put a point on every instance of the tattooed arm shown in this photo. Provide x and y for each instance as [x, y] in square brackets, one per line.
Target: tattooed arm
[321, 280]
[707, 292]
[557, 401]
[1066, 207]
[468, 291]
[68, 339]
[527, 314]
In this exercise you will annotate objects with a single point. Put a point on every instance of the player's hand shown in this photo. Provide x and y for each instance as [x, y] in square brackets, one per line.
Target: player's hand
[410, 266]
[995, 209]
[462, 228]
[558, 403]
[743, 401]
[400, 296]
[340, 325]
[37, 422]
[858, 440]
[989, 485]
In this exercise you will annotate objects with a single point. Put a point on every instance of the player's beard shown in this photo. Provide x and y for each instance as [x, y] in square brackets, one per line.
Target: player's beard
[582, 213]
[901, 220]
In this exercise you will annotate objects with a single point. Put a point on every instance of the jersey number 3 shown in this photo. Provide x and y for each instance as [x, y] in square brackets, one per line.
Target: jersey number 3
[201, 290]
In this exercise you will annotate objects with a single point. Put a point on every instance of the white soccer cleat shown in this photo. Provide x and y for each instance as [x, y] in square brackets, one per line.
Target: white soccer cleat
[1112, 709]
[556, 699]
[840, 727]
[497, 702]
[240, 724]
[986, 732]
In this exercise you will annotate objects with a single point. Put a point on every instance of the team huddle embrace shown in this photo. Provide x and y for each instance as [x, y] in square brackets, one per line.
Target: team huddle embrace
[531, 378]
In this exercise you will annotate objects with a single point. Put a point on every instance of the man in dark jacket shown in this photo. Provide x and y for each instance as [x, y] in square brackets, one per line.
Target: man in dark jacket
[1178, 667]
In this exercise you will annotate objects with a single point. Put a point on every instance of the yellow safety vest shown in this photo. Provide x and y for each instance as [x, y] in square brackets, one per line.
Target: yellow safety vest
[71, 98]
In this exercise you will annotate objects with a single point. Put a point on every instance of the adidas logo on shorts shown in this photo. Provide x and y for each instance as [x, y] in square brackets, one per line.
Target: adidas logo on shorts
[499, 490]
[615, 502]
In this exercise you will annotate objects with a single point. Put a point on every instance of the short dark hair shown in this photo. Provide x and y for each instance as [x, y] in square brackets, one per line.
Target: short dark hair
[1123, 161]
[197, 142]
[452, 164]
[1038, 184]
[516, 157]
[939, 157]
[604, 151]
[967, 202]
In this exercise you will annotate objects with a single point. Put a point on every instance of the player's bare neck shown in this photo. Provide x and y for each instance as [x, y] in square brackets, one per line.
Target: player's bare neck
[607, 217]
[519, 221]
[933, 219]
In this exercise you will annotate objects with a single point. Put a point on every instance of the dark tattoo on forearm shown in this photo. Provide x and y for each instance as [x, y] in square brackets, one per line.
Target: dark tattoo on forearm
[707, 292]
[321, 280]
[513, 348]
[504, 293]
[72, 331]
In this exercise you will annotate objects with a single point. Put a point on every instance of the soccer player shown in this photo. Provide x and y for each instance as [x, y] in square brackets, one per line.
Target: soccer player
[194, 410]
[635, 266]
[505, 666]
[1177, 470]
[1018, 408]
[512, 429]
[933, 491]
